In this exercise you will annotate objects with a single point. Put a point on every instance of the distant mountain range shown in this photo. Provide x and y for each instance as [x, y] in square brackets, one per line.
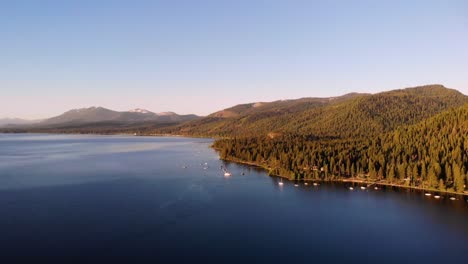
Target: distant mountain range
[350, 115]
[98, 117]
[100, 114]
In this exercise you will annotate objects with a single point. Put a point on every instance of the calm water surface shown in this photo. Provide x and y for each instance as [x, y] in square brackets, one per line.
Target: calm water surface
[114, 198]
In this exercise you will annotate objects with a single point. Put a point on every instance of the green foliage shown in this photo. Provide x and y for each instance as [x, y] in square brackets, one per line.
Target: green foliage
[349, 116]
[428, 154]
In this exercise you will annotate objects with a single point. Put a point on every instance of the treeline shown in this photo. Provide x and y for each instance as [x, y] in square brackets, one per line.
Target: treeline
[432, 154]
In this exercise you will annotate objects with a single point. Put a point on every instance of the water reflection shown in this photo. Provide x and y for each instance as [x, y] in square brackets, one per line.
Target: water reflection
[131, 196]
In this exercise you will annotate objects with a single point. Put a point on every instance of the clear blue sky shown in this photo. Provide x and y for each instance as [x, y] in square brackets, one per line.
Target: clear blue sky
[201, 56]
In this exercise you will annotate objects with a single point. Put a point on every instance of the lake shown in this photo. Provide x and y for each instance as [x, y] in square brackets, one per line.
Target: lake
[166, 199]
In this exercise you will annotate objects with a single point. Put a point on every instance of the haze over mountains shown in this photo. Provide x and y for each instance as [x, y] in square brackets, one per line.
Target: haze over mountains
[16, 121]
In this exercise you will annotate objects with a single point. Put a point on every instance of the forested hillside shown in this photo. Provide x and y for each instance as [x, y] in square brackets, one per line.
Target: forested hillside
[432, 154]
[353, 115]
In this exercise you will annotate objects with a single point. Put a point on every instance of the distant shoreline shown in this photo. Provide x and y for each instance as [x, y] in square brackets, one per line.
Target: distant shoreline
[106, 134]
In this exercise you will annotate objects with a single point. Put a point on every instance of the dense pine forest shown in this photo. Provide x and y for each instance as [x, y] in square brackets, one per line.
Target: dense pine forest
[352, 115]
[432, 154]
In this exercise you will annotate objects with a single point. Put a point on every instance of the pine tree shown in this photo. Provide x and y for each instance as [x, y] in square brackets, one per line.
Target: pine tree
[459, 179]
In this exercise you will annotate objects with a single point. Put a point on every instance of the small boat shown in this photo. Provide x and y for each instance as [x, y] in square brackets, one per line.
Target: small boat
[376, 188]
[453, 198]
[227, 174]
[316, 184]
[243, 173]
[437, 196]
[184, 167]
[427, 194]
[296, 185]
[280, 183]
[351, 188]
[306, 183]
[363, 187]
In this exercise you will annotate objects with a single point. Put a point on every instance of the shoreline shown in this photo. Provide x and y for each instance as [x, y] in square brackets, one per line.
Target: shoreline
[109, 134]
[105, 134]
[347, 180]
[339, 180]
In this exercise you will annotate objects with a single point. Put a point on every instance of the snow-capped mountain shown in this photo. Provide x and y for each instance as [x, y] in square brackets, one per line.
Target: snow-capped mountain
[100, 114]
[139, 110]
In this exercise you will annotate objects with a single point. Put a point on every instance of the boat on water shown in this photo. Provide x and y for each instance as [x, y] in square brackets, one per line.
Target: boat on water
[453, 198]
[437, 196]
[363, 187]
[351, 188]
[296, 185]
[226, 172]
[427, 194]
[316, 184]
[376, 188]
[280, 183]
[306, 183]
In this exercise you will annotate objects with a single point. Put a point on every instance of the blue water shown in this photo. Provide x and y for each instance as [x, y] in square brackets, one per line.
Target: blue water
[116, 198]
